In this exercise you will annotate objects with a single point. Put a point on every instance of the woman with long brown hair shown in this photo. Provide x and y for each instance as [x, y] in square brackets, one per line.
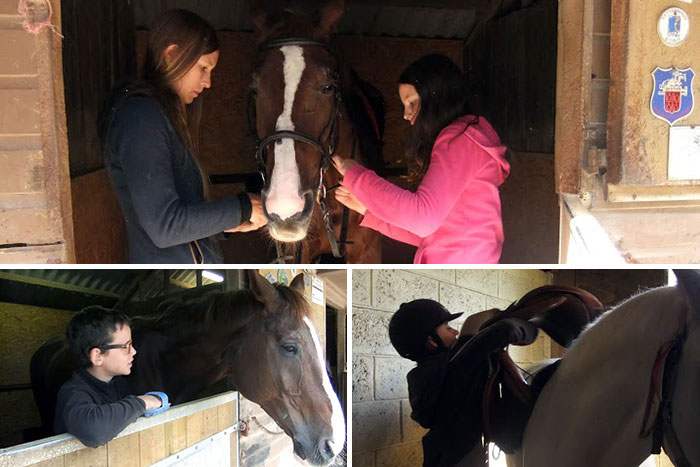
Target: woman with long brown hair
[457, 163]
[148, 132]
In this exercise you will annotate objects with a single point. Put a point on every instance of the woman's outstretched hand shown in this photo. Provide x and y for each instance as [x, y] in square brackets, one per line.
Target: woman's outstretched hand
[346, 198]
[343, 165]
[257, 216]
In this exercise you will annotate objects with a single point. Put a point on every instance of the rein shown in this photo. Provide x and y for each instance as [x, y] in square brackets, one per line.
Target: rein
[331, 128]
[663, 383]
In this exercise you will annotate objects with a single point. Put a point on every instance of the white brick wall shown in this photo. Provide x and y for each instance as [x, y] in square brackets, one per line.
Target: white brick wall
[383, 432]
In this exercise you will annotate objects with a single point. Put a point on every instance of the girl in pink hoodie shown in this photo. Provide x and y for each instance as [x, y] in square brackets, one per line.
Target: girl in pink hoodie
[454, 215]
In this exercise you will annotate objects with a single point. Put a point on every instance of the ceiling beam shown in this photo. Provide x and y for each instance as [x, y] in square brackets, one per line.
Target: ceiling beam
[55, 285]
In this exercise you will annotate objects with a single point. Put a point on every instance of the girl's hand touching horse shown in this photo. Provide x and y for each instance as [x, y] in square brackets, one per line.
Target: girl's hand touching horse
[343, 165]
[347, 199]
[257, 216]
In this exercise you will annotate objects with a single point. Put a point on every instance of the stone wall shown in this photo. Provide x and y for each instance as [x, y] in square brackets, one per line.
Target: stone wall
[382, 431]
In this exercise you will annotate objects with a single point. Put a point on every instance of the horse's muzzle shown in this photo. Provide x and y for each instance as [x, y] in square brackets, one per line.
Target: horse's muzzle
[293, 228]
[322, 454]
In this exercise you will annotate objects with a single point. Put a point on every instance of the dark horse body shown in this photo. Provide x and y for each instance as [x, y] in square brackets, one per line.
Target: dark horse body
[308, 105]
[261, 339]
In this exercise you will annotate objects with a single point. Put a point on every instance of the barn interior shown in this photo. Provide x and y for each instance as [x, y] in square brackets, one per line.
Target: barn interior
[36, 305]
[507, 48]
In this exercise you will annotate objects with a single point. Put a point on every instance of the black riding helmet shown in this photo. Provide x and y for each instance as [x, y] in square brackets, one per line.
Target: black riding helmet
[413, 323]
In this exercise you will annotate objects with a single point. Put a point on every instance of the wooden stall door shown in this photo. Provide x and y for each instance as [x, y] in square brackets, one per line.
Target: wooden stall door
[511, 72]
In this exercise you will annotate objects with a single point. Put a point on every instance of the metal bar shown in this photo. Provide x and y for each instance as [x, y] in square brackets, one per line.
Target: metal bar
[133, 288]
[15, 387]
[55, 285]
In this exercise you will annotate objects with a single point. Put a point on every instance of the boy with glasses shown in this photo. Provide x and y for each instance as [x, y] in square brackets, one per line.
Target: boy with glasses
[97, 402]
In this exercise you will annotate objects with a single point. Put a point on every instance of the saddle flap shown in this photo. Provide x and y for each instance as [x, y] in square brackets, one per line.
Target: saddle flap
[506, 403]
[656, 389]
[561, 311]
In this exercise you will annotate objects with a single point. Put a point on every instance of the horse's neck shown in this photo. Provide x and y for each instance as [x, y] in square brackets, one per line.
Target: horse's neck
[170, 350]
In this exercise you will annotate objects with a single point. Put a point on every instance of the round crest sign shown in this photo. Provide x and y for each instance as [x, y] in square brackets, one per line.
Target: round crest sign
[673, 26]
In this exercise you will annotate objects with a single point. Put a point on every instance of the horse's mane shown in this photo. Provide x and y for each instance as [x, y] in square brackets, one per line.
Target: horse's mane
[215, 308]
[299, 304]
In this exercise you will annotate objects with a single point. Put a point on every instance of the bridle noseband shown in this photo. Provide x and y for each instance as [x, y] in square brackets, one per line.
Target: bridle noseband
[330, 128]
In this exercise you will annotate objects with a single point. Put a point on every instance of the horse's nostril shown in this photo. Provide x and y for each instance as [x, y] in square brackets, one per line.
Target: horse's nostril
[299, 449]
[325, 447]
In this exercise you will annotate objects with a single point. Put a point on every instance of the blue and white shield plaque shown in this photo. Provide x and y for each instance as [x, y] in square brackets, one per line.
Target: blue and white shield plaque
[672, 97]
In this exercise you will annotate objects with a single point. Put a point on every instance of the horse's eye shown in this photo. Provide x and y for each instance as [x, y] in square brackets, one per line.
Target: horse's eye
[291, 349]
[328, 89]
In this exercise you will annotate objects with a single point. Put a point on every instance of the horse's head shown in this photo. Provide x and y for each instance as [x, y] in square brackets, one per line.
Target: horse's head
[297, 111]
[281, 366]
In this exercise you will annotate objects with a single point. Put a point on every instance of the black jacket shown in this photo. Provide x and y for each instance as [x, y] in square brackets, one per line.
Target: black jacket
[94, 411]
[446, 400]
[159, 187]
[446, 389]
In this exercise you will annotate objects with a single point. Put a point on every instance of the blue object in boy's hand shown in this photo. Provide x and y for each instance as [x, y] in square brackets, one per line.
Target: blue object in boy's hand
[165, 404]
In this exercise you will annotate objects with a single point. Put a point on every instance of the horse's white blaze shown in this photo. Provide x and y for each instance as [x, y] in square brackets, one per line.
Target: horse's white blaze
[337, 418]
[283, 197]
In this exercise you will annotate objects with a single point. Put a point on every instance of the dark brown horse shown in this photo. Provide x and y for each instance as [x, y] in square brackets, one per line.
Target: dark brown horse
[261, 339]
[308, 105]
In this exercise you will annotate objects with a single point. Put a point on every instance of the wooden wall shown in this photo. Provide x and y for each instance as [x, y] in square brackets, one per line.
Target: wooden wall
[97, 53]
[35, 217]
[511, 71]
[511, 75]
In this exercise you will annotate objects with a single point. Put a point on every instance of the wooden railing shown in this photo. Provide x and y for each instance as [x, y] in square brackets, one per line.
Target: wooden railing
[204, 430]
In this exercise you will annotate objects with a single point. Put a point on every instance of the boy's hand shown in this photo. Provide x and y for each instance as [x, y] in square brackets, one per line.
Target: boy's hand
[162, 403]
[152, 402]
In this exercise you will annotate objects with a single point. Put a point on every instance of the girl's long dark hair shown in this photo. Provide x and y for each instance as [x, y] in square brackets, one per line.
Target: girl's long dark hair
[441, 87]
[194, 37]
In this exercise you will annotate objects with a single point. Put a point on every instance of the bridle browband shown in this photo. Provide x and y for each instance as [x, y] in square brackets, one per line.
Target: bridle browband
[330, 128]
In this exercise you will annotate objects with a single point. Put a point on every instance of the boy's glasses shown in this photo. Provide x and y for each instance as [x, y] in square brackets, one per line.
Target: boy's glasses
[126, 346]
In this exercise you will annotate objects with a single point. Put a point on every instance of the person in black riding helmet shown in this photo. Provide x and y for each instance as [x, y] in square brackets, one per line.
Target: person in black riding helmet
[446, 386]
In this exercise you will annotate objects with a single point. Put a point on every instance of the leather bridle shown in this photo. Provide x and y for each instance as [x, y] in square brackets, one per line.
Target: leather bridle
[330, 128]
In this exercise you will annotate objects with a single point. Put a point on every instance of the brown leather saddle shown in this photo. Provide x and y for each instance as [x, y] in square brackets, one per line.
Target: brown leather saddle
[562, 312]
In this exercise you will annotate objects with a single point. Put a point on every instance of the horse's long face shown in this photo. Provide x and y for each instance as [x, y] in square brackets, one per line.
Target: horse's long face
[280, 365]
[295, 91]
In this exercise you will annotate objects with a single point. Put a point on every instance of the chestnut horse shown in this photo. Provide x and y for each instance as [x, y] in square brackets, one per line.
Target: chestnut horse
[308, 106]
[627, 387]
[261, 339]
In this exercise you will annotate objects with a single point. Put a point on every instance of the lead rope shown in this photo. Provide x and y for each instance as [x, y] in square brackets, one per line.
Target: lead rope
[199, 250]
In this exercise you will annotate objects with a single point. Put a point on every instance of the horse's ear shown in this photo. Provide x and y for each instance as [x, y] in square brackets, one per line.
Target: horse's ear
[265, 292]
[689, 282]
[329, 16]
[265, 15]
[298, 283]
